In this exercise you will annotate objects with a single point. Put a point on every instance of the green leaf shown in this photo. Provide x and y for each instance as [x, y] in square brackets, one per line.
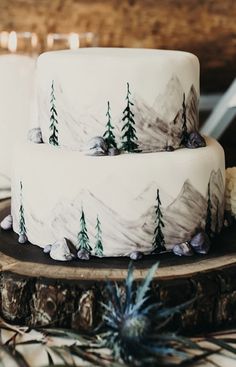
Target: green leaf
[50, 360]
[15, 355]
[67, 333]
[114, 297]
[187, 342]
[222, 344]
[5, 349]
[146, 283]
[29, 342]
[165, 312]
[61, 352]
[166, 351]
[128, 286]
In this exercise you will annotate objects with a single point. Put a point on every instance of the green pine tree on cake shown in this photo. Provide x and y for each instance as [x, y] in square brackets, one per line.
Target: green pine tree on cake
[109, 135]
[83, 239]
[158, 240]
[208, 225]
[22, 228]
[98, 249]
[53, 139]
[129, 138]
[184, 134]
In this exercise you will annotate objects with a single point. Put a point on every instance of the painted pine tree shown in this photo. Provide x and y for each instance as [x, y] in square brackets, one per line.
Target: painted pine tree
[83, 239]
[53, 139]
[109, 135]
[184, 134]
[208, 224]
[158, 240]
[98, 249]
[22, 228]
[129, 138]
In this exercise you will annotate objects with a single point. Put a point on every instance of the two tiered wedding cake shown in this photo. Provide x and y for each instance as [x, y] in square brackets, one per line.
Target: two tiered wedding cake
[121, 169]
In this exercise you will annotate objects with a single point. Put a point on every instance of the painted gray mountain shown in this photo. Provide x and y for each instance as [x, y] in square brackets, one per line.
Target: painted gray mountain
[160, 125]
[192, 110]
[157, 126]
[168, 104]
[183, 217]
[35, 224]
[217, 201]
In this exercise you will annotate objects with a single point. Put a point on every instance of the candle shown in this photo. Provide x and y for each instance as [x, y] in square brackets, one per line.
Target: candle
[34, 40]
[12, 41]
[4, 39]
[73, 41]
[50, 40]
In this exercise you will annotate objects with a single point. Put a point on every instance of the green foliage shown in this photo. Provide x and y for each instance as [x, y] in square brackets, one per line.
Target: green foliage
[22, 228]
[184, 134]
[158, 240]
[53, 139]
[83, 239]
[98, 249]
[109, 135]
[129, 138]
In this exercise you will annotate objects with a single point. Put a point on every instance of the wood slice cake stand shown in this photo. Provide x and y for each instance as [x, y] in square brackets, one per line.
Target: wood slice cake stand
[36, 290]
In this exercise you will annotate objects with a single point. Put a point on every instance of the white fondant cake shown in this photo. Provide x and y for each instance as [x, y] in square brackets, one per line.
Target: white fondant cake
[121, 102]
[83, 82]
[120, 191]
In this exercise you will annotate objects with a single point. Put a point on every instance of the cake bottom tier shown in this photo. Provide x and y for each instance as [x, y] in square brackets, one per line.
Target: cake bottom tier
[113, 206]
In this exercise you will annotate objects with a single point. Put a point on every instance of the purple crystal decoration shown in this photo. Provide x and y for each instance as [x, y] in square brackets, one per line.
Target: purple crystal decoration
[195, 140]
[200, 243]
[183, 249]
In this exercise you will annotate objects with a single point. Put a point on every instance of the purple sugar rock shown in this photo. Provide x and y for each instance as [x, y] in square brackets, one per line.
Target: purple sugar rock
[35, 135]
[136, 255]
[183, 249]
[200, 243]
[22, 238]
[60, 251]
[83, 254]
[7, 223]
[47, 249]
[97, 146]
[113, 151]
[195, 140]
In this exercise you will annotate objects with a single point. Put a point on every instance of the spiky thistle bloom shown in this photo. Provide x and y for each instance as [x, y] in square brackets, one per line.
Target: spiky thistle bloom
[133, 325]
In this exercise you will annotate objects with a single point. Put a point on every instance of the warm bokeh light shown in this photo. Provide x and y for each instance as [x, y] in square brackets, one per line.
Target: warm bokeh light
[34, 40]
[12, 41]
[73, 41]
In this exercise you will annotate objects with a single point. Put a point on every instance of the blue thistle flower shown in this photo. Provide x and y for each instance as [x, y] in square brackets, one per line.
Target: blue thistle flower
[134, 325]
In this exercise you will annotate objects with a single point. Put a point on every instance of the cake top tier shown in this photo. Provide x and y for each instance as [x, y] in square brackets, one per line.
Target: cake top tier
[117, 52]
[135, 99]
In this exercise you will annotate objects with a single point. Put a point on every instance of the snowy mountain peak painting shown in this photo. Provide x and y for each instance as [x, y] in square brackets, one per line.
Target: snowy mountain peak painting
[155, 228]
[168, 104]
[163, 124]
[157, 124]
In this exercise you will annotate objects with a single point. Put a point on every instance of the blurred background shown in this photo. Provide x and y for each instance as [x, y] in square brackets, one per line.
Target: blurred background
[206, 28]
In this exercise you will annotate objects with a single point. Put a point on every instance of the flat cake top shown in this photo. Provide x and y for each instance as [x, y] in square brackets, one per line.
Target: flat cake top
[115, 52]
[91, 87]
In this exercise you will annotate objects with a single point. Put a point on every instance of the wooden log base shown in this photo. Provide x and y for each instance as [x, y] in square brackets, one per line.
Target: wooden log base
[37, 291]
